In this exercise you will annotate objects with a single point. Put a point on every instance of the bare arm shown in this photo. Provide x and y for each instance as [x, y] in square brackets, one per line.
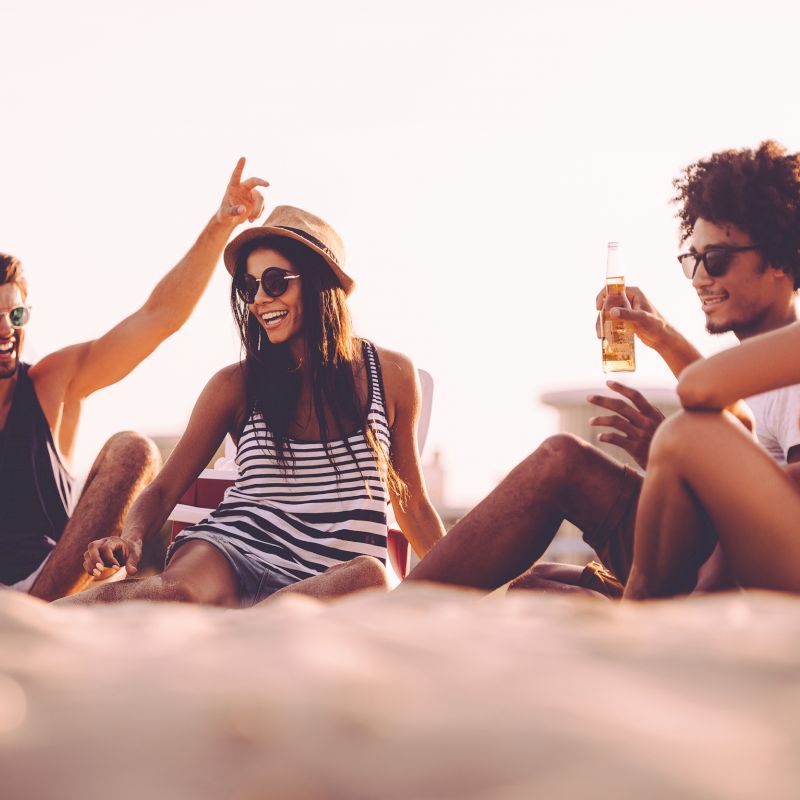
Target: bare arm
[217, 412]
[415, 514]
[92, 365]
[757, 365]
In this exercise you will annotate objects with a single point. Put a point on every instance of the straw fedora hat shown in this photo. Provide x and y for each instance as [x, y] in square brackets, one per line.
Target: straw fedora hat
[294, 223]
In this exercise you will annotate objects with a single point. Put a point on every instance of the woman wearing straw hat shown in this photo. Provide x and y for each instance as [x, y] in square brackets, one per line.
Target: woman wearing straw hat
[325, 425]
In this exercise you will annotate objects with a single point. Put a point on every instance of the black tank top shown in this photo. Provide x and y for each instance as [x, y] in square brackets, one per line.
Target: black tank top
[35, 487]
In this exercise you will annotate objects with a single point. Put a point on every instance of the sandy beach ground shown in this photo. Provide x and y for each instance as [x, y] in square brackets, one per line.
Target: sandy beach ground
[423, 693]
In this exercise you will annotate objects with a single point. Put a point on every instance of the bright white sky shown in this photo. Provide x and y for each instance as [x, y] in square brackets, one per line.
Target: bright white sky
[474, 156]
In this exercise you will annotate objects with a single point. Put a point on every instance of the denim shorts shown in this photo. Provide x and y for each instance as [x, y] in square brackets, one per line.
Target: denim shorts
[257, 580]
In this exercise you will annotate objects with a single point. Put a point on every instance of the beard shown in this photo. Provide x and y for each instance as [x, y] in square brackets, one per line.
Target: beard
[9, 370]
[742, 328]
[715, 329]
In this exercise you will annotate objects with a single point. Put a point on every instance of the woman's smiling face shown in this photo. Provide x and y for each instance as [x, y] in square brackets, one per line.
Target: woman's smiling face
[281, 317]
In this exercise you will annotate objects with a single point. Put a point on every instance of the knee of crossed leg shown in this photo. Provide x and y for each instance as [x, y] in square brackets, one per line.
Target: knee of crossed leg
[371, 573]
[136, 450]
[176, 589]
[558, 461]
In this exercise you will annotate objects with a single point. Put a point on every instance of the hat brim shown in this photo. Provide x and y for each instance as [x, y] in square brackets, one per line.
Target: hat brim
[234, 247]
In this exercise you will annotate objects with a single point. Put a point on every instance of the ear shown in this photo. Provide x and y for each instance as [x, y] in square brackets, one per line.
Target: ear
[779, 272]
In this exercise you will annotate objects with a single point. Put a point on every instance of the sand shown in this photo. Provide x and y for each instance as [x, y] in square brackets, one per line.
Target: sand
[424, 693]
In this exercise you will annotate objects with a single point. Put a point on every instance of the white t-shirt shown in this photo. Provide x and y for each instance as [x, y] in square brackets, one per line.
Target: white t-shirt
[777, 416]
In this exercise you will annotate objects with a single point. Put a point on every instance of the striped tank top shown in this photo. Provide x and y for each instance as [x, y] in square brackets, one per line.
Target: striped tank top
[307, 516]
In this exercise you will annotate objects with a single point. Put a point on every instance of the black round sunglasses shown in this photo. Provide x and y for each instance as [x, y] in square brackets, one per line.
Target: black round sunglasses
[716, 259]
[274, 281]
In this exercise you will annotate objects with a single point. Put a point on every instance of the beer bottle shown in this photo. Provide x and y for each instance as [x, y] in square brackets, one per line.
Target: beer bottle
[618, 353]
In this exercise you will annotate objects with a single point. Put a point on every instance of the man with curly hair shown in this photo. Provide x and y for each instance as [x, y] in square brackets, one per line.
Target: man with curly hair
[740, 214]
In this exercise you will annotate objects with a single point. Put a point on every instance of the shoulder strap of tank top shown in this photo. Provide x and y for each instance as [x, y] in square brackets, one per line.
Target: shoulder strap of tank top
[375, 378]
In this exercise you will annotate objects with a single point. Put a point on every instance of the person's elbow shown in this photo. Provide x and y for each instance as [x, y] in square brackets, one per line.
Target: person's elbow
[695, 390]
[163, 318]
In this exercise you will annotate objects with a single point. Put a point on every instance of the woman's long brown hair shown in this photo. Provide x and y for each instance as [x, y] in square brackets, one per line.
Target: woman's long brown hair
[273, 379]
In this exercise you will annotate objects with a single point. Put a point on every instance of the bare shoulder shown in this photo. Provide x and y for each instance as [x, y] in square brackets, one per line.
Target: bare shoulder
[399, 382]
[397, 368]
[52, 378]
[226, 392]
[59, 366]
[226, 389]
[228, 379]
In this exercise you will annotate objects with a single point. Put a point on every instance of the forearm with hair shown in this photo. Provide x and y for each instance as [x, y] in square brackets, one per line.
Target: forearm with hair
[147, 514]
[177, 293]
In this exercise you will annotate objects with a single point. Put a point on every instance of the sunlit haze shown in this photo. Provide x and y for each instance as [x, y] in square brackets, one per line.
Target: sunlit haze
[475, 157]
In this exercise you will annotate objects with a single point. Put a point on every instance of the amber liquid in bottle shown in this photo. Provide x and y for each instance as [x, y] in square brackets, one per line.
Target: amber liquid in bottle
[618, 338]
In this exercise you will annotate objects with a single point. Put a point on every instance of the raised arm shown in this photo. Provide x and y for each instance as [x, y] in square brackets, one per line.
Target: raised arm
[764, 362]
[415, 513]
[218, 411]
[90, 366]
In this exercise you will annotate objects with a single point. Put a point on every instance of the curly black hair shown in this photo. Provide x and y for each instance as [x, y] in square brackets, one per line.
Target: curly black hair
[758, 191]
[11, 272]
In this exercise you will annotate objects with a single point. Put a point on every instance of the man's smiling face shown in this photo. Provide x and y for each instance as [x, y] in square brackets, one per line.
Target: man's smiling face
[749, 295]
[11, 338]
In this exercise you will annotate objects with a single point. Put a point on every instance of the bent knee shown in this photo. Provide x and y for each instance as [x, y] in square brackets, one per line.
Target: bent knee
[681, 433]
[180, 591]
[371, 573]
[562, 456]
[133, 448]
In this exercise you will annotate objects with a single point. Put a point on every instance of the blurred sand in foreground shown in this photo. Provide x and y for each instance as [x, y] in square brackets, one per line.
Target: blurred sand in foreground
[424, 693]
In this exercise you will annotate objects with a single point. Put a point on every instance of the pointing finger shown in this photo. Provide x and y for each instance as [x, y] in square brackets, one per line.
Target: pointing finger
[236, 175]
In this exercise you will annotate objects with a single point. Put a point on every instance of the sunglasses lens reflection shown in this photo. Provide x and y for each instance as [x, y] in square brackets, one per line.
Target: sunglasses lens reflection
[717, 262]
[18, 316]
[274, 282]
[247, 286]
[689, 263]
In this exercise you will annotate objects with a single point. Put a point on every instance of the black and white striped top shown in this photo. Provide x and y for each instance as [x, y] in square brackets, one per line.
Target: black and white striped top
[305, 517]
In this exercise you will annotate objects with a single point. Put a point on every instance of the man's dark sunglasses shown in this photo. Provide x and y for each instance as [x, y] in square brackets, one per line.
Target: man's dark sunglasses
[274, 281]
[716, 259]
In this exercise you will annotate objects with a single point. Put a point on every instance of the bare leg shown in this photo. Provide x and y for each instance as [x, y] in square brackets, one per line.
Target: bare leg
[361, 573]
[197, 573]
[728, 488]
[565, 478]
[125, 465]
